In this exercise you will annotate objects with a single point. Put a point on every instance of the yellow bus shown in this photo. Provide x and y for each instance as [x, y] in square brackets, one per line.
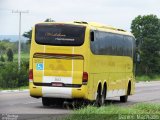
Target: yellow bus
[80, 61]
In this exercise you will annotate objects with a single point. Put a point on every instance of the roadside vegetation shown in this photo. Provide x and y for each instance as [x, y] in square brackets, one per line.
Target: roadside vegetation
[147, 78]
[10, 76]
[115, 112]
[146, 30]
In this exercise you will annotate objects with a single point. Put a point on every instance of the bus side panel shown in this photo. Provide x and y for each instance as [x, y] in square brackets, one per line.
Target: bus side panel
[129, 75]
[90, 93]
[112, 69]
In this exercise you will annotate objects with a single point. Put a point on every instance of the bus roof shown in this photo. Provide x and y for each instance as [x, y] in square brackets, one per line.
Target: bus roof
[96, 25]
[104, 27]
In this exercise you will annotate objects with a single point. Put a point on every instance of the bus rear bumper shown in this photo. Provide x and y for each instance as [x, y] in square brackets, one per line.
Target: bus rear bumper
[57, 92]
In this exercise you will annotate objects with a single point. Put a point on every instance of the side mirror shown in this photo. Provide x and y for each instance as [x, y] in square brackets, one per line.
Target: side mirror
[92, 36]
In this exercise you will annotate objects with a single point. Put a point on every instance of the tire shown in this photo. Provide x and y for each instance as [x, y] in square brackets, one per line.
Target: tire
[98, 102]
[46, 101]
[57, 101]
[103, 97]
[125, 97]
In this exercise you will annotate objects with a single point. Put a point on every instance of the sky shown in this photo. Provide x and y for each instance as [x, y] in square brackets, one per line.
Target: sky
[117, 13]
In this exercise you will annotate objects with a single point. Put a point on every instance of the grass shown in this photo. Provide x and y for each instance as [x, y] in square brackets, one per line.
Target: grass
[114, 112]
[18, 88]
[148, 78]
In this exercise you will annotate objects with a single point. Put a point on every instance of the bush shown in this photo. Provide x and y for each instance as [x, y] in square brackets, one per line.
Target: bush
[11, 77]
[2, 58]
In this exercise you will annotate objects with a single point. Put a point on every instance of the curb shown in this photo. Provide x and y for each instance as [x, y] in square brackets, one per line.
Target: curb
[11, 91]
[147, 83]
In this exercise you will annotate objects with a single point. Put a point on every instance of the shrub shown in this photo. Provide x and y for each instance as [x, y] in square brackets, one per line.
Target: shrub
[2, 58]
[11, 77]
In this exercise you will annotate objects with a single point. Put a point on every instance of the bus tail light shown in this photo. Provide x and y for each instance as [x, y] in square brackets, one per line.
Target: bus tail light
[31, 75]
[85, 78]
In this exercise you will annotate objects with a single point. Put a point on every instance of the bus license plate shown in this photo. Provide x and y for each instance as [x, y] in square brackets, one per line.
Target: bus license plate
[57, 84]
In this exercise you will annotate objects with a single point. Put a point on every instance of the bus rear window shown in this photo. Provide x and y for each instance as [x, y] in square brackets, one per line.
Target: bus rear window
[59, 34]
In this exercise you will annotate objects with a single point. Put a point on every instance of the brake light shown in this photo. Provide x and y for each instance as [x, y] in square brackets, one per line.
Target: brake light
[85, 78]
[31, 75]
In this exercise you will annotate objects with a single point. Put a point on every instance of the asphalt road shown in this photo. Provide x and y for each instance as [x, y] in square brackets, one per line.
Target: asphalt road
[20, 102]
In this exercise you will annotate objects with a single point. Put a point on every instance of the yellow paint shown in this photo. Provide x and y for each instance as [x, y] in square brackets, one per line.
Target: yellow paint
[116, 71]
[35, 90]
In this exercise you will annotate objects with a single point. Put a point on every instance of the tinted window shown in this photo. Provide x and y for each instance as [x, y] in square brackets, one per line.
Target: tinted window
[112, 44]
[59, 34]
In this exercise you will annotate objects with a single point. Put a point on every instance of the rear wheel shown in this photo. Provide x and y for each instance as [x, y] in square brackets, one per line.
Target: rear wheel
[98, 101]
[125, 97]
[52, 101]
[46, 101]
[57, 101]
[103, 97]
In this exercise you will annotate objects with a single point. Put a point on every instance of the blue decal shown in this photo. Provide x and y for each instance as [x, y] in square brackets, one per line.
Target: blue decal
[39, 66]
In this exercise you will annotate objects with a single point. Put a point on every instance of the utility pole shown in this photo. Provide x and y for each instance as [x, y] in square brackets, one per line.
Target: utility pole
[19, 43]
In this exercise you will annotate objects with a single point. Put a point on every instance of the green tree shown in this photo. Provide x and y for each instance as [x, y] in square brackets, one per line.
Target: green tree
[146, 29]
[28, 34]
[10, 55]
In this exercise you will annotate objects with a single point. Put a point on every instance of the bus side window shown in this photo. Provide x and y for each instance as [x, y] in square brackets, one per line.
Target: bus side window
[92, 36]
